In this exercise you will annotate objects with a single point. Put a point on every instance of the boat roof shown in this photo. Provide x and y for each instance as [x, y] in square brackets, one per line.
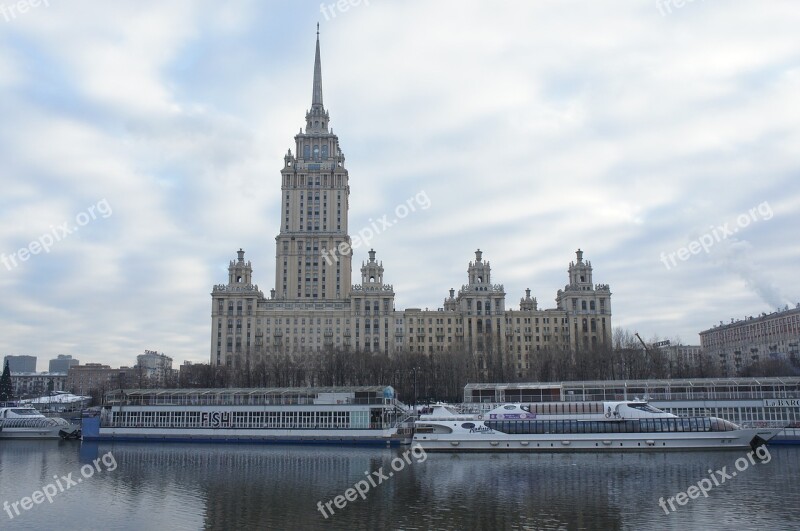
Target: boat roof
[677, 382]
[256, 390]
[253, 391]
[60, 398]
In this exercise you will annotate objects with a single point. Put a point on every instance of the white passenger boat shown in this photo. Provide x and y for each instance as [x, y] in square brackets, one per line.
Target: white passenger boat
[355, 415]
[596, 426]
[749, 402]
[25, 422]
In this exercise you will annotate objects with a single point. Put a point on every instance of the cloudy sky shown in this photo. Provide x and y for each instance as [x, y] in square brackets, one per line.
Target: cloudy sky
[141, 144]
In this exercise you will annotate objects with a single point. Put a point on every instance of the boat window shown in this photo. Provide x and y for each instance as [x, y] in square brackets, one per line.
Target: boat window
[25, 412]
[643, 406]
[468, 425]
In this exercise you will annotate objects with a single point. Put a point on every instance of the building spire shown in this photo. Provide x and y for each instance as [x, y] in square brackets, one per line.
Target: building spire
[316, 99]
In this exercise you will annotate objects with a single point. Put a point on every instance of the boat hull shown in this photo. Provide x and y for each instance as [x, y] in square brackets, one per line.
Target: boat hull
[31, 433]
[251, 435]
[497, 442]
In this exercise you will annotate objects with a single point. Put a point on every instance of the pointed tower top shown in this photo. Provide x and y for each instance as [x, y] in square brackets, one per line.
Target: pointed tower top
[316, 99]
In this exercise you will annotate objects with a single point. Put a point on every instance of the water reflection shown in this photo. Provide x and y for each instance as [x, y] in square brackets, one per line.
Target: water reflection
[263, 487]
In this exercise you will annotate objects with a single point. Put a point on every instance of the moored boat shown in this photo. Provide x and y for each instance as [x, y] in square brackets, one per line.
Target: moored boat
[25, 422]
[748, 402]
[336, 415]
[588, 426]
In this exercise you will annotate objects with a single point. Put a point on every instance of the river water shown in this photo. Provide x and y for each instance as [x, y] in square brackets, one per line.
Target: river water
[213, 486]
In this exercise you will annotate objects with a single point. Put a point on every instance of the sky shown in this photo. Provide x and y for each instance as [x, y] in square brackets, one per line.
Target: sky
[142, 142]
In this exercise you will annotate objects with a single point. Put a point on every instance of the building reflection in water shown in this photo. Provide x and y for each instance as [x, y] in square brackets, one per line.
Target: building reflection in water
[250, 486]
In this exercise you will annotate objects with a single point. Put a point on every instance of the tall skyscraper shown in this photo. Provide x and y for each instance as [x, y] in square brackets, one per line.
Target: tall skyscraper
[313, 306]
[314, 206]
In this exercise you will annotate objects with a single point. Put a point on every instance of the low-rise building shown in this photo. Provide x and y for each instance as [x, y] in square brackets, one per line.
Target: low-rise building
[81, 379]
[35, 384]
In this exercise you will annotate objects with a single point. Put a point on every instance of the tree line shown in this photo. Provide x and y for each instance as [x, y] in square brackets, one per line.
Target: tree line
[443, 375]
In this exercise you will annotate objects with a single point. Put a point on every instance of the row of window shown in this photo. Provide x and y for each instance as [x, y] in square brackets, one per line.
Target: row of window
[625, 426]
[245, 419]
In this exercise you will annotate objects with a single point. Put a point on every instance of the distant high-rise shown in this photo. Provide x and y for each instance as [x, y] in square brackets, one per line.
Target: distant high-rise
[153, 366]
[20, 363]
[62, 363]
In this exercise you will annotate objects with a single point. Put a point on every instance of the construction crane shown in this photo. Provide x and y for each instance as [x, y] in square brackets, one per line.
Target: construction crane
[648, 356]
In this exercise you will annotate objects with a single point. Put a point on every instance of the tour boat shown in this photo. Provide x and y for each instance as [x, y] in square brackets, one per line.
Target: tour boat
[25, 422]
[769, 402]
[356, 415]
[564, 426]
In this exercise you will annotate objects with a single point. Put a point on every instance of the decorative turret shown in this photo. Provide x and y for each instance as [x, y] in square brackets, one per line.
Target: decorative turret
[289, 160]
[240, 272]
[479, 272]
[372, 271]
[580, 273]
[528, 303]
[451, 303]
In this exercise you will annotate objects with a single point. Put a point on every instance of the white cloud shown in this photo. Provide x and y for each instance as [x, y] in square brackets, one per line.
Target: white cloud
[534, 128]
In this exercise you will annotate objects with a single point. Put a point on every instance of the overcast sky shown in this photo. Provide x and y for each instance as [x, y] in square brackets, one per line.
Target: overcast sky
[156, 131]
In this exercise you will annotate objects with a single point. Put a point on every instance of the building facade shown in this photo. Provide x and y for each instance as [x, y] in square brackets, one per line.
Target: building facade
[36, 384]
[81, 379]
[747, 341]
[20, 364]
[313, 306]
[62, 363]
[154, 367]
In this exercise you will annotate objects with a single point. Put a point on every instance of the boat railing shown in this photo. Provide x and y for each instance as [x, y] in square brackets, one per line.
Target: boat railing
[251, 401]
[647, 394]
[663, 396]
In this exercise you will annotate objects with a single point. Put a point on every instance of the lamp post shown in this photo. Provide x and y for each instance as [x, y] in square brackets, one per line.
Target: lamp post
[414, 370]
